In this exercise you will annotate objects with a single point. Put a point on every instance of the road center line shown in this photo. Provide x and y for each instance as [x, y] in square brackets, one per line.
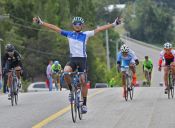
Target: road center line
[61, 112]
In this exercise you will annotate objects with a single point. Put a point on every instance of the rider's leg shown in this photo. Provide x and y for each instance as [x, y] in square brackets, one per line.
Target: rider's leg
[58, 81]
[134, 77]
[67, 78]
[84, 89]
[166, 76]
[18, 74]
[9, 83]
[173, 69]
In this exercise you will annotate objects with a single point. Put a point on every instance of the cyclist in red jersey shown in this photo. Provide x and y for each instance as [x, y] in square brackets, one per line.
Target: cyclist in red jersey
[168, 56]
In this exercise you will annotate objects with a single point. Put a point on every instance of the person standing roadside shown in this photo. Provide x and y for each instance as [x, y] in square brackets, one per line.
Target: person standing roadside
[49, 74]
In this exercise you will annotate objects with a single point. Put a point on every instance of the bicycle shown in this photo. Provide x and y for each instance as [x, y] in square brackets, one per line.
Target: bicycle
[14, 88]
[55, 76]
[129, 87]
[171, 83]
[76, 100]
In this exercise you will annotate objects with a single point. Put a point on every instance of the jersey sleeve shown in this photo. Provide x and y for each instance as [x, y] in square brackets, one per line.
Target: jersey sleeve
[173, 52]
[89, 33]
[65, 33]
[119, 57]
[161, 58]
[133, 54]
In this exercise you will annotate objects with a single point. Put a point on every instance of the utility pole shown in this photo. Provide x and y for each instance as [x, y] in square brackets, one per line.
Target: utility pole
[107, 51]
[116, 49]
[0, 61]
[2, 17]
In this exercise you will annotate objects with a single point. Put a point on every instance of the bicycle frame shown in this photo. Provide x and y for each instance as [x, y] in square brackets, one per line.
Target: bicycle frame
[76, 103]
[14, 87]
[129, 88]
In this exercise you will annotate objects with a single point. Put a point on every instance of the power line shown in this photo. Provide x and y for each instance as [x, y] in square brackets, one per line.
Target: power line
[28, 27]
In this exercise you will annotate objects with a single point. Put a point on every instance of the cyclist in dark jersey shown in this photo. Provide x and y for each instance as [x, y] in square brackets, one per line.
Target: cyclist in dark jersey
[12, 59]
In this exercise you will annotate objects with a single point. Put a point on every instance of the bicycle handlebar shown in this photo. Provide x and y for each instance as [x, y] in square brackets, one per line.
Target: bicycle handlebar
[73, 73]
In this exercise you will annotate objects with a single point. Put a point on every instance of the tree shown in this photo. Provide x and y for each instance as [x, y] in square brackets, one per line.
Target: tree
[150, 24]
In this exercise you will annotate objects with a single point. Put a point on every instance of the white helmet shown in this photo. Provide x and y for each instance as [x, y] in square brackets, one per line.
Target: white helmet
[167, 45]
[124, 48]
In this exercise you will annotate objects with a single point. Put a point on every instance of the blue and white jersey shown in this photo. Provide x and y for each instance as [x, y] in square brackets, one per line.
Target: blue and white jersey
[125, 61]
[77, 42]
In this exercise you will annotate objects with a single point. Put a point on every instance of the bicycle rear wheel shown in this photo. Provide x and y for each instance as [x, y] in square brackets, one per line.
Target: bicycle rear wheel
[74, 106]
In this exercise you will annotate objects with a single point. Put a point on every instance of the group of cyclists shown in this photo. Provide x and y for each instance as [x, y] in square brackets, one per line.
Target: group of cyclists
[77, 43]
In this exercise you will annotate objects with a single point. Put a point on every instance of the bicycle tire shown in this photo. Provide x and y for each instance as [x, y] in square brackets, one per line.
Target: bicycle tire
[79, 106]
[126, 89]
[131, 92]
[74, 107]
[172, 89]
[16, 99]
[169, 85]
[12, 94]
[15, 90]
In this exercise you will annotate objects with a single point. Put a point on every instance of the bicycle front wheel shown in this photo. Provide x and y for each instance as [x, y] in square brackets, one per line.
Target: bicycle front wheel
[172, 89]
[74, 106]
[79, 106]
[131, 92]
[126, 93]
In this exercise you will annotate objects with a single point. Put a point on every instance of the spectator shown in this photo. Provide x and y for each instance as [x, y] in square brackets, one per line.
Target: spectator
[49, 74]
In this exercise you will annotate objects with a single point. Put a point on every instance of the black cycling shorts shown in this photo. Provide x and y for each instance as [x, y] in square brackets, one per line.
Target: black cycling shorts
[168, 61]
[77, 63]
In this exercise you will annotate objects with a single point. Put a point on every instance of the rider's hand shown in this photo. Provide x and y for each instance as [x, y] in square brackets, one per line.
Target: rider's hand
[118, 68]
[117, 21]
[137, 62]
[37, 20]
[160, 68]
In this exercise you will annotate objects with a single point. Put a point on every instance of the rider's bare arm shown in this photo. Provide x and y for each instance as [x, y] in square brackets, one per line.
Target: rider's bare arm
[105, 27]
[102, 28]
[51, 26]
[47, 25]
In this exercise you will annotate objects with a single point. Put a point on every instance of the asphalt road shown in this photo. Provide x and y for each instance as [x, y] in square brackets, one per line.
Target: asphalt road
[107, 108]
[150, 107]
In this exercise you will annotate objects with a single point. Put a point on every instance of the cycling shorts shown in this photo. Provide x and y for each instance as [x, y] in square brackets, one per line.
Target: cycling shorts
[78, 63]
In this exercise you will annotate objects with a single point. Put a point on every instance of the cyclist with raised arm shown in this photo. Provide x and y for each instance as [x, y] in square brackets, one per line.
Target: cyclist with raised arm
[77, 44]
[147, 66]
[167, 55]
[56, 68]
[12, 59]
[126, 57]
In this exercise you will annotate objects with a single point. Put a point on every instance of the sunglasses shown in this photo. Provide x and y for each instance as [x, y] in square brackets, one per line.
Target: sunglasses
[125, 53]
[77, 24]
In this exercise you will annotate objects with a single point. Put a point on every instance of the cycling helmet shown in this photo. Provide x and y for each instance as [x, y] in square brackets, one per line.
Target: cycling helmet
[124, 48]
[167, 45]
[56, 62]
[78, 20]
[9, 48]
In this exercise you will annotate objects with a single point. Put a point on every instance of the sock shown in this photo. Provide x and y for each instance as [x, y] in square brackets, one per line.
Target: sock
[84, 100]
